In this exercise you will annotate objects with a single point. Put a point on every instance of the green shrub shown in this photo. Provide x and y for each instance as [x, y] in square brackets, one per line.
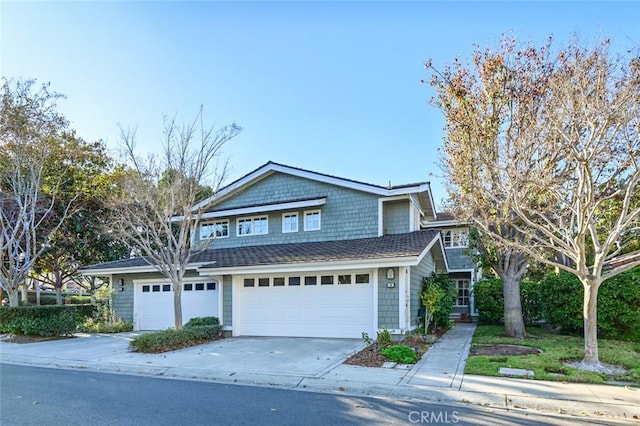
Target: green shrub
[97, 325]
[384, 337]
[198, 321]
[618, 304]
[437, 296]
[489, 300]
[489, 296]
[400, 353]
[172, 339]
[43, 320]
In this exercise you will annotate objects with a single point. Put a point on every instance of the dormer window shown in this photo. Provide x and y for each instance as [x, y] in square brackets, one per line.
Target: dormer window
[456, 238]
[217, 229]
[290, 222]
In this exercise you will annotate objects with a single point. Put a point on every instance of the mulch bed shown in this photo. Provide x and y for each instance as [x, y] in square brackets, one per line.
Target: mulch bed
[491, 350]
[20, 338]
[371, 356]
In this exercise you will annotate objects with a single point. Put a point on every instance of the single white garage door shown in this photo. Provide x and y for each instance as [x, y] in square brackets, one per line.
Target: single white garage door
[322, 305]
[154, 307]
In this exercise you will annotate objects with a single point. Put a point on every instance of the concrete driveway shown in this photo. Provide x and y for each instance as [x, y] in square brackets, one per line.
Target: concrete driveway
[307, 357]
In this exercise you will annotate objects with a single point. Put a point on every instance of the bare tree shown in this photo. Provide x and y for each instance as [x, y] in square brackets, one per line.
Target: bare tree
[156, 212]
[28, 123]
[565, 162]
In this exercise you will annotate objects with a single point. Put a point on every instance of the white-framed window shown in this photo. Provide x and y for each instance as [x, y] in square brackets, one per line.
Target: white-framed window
[253, 226]
[312, 220]
[289, 222]
[217, 229]
[462, 291]
[456, 238]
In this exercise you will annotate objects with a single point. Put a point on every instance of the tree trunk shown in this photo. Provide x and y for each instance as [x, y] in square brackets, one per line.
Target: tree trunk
[24, 294]
[58, 296]
[37, 286]
[590, 312]
[177, 305]
[13, 297]
[513, 322]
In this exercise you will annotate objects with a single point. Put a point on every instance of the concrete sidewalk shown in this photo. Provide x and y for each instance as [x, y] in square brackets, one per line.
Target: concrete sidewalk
[438, 376]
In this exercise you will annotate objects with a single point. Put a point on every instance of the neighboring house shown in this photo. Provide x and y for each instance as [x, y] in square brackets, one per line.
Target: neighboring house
[463, 270]
[296, 253]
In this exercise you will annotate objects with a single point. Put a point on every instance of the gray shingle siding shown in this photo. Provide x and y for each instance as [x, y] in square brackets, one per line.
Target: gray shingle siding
[396, 217]
[418, 272]
[347, 213]
[227, 297]
[388, 314]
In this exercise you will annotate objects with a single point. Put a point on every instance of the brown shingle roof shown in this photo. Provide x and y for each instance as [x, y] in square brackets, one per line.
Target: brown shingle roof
[411, 244]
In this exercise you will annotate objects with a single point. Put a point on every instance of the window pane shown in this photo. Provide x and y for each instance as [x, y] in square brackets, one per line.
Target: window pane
[344, 279]
[290, 222]
[260, 225]
[206, 231]
[211, 286]
[294, 280]
[156, 288]
[166, 287]
[362, 278]
[200, 286]
[188, 287]
[249, 282]
[310, 280]
[222, 229]
[279, 281]
[263, 282]
[326, 279]
[145, 289]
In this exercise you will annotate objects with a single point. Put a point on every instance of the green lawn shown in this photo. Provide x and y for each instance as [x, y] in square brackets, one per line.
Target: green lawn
[556, 350]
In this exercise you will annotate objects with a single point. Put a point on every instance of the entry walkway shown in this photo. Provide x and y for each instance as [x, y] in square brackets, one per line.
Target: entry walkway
[443, 364]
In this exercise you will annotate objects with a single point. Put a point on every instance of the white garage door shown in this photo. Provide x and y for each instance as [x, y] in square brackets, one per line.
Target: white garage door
[323, 305]
[154, 305]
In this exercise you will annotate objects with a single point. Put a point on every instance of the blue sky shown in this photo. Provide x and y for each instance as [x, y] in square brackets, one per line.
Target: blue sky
[327, 86]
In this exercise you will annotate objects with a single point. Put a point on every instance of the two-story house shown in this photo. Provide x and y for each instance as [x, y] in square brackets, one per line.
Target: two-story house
[296, 253]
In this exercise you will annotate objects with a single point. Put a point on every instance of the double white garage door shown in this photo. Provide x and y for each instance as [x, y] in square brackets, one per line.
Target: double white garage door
[154, 303]
[314, 305]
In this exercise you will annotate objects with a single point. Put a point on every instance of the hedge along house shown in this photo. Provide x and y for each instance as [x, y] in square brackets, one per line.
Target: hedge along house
[463, 270]
[295, 253]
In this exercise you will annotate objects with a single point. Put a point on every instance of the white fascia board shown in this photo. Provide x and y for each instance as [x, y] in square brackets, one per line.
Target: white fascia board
[133, 270]
[441, 224]
[313, 266]
[436, 240]
[293, 205]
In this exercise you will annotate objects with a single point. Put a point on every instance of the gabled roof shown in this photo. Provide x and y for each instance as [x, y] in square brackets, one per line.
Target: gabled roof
[407, 247]
[272, 167]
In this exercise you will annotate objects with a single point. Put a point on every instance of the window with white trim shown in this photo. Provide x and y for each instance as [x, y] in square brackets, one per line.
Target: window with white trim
[289, 222]
[462, 291]
[218, 229]
[312, 220]
[456, 238]
[253, 226]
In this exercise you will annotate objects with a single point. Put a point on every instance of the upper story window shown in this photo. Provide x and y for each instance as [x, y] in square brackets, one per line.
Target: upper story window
[289, 222]
[253, 226]
[312, 220]
[455, 238]
[218, 229]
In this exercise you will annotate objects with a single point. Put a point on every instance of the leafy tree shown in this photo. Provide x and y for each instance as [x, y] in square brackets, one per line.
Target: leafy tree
[83, 170]
[29, 124]
[552, 147]
[155, 212]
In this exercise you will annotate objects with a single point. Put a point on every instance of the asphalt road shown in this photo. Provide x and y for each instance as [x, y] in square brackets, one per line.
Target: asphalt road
[45, 396]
